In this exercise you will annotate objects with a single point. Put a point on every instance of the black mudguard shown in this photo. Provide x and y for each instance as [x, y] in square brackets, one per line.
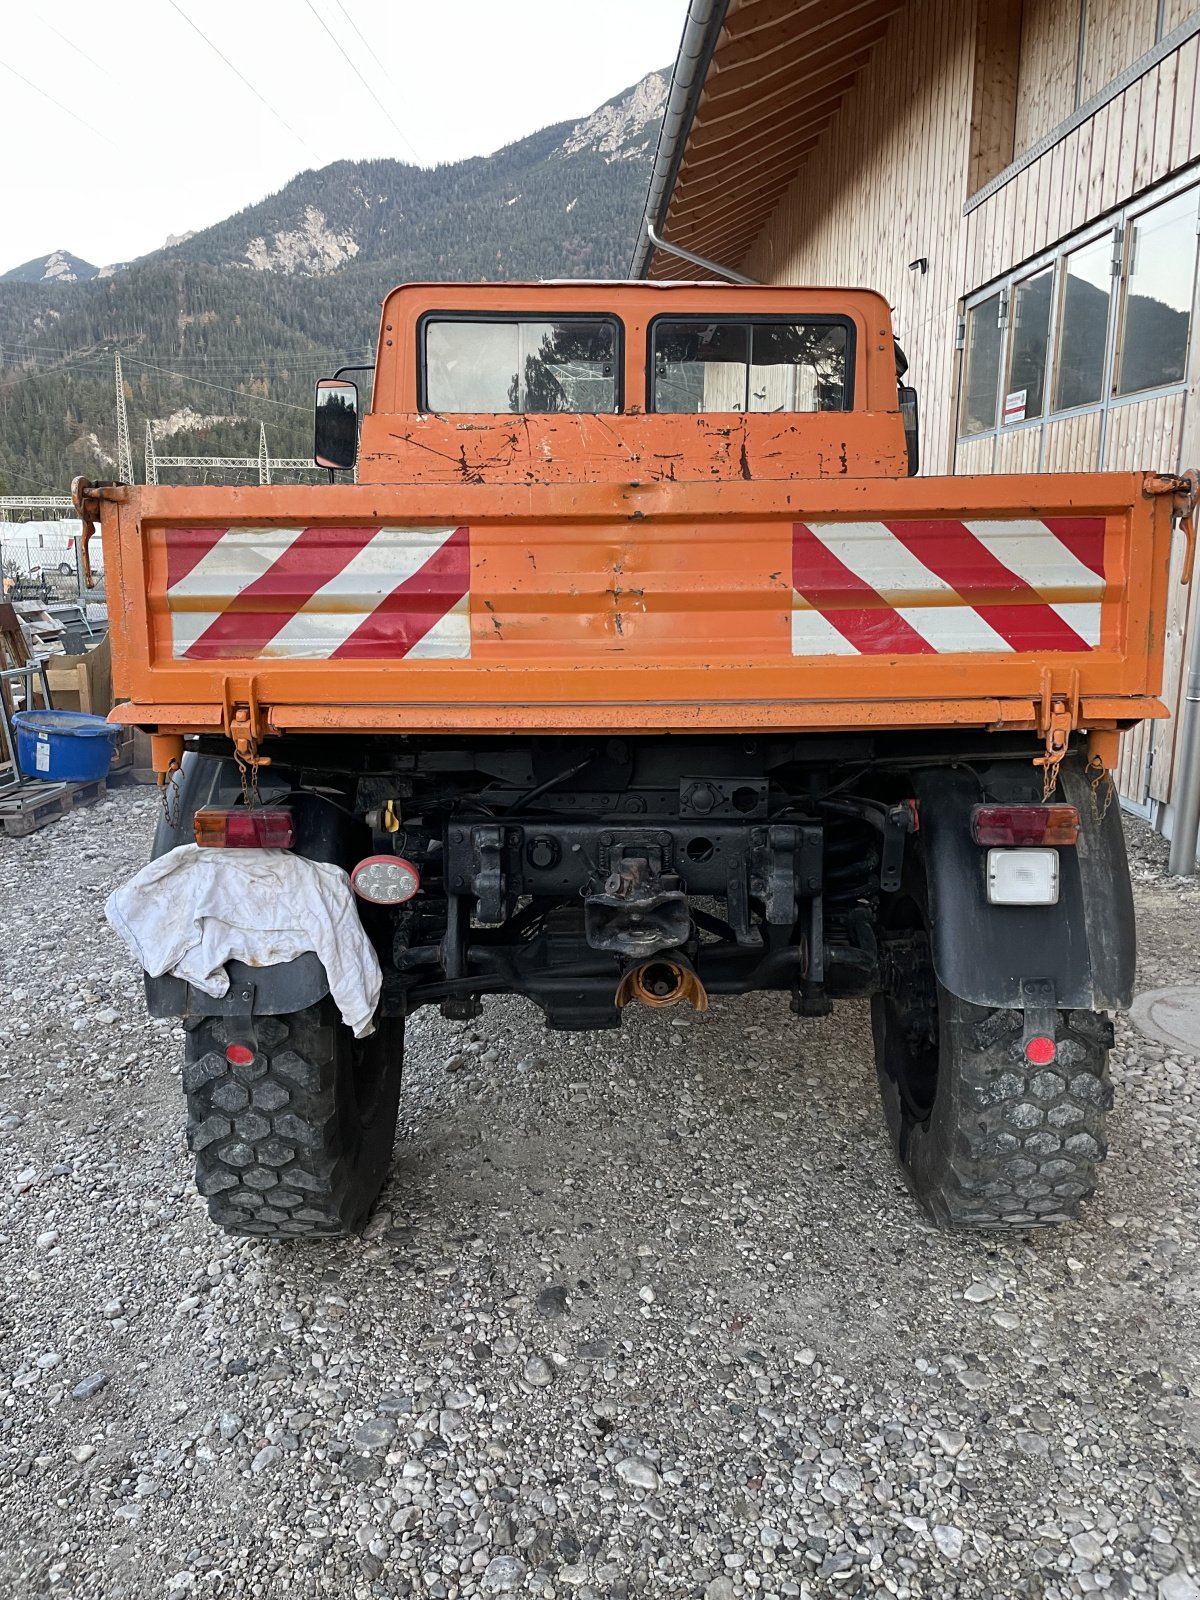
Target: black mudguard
[322, 834]
[1085, 945]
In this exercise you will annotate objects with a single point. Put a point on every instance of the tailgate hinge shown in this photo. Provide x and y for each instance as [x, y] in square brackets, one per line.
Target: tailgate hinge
[1057, 719]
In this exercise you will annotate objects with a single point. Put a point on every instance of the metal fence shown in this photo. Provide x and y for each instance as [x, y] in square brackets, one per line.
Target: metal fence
[41, 561]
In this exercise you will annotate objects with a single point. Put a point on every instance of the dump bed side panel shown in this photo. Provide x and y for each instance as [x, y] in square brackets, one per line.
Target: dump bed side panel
[788, 604]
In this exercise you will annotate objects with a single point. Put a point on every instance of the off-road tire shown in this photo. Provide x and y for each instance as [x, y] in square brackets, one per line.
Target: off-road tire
[297, 1142]
[998, 1143]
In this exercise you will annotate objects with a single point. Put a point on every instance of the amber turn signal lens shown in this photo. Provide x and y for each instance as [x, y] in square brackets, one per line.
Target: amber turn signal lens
[239, 829]
[1024, 825]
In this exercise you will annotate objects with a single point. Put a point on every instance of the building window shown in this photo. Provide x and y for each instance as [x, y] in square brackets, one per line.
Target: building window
[1025, 391]
[1159, 284]
[1086, 291]
[1094, 325]
[985, 336]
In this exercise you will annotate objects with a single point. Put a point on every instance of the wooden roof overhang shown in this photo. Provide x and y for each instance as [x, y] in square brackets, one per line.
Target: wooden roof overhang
[777, 72]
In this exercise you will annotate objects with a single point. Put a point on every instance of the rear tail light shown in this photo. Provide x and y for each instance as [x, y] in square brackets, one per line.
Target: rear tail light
[1024, 825]
[242, 829]
[385, 880]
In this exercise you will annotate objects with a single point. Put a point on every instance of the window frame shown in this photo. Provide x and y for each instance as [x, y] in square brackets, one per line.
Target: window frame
[769, 319]
[1132, 216]
[1019, 282]
[512, 319]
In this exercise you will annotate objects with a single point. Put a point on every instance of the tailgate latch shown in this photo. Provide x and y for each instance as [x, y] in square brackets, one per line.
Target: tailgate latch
[243, 723]
[1059, 716]
[1185, 488]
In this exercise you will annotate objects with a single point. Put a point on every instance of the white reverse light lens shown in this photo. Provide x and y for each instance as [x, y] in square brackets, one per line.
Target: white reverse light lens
[1022, 877]
[385, 880]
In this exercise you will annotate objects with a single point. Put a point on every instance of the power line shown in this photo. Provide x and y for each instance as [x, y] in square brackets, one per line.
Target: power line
[354, 69]
[205, 383]
[366, 44]
[37, 89]
[240, 75]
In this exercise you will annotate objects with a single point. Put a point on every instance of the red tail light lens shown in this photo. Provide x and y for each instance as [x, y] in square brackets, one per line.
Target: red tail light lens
[1021, 825]
[239, 829]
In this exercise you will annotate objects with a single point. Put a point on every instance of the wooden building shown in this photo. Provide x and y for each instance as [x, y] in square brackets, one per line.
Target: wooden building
[1021, 178]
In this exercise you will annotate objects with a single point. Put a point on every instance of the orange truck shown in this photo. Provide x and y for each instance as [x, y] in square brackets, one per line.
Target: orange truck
[623, 660]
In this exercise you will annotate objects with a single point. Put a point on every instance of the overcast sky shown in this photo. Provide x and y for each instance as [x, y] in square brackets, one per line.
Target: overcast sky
[171, 139]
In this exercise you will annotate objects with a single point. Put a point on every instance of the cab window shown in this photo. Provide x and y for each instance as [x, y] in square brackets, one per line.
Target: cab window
[506, 365]
[722, 364]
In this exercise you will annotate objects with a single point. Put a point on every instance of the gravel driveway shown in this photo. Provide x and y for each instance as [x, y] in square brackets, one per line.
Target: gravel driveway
[646, 1313]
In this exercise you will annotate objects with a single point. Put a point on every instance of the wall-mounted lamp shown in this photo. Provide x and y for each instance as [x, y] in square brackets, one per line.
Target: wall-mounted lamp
[922, 262]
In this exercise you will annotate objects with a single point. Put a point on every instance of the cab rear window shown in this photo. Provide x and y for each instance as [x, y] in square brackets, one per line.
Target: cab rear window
[761, 364]
[505, 365]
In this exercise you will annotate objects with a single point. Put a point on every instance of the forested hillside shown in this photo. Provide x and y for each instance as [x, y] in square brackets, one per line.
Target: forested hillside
[232, 326]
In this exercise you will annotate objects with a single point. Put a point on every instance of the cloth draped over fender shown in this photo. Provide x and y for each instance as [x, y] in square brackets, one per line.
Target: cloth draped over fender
[192, 910]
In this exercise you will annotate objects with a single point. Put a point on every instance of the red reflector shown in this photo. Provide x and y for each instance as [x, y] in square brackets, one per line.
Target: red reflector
[1040, 1051]
[242, 829]
[1018, 825]
[239, 1055]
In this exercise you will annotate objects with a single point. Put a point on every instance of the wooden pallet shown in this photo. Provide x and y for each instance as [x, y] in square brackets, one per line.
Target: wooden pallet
[36, 804]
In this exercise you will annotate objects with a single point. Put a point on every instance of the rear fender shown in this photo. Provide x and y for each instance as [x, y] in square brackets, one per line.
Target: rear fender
[323, 833]
[983, 953]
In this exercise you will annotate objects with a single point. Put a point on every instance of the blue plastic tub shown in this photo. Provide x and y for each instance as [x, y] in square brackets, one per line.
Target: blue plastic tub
[64, 746]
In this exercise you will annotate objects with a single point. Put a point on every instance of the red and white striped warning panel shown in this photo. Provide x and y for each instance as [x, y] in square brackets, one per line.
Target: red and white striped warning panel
[335, 594]
[916, 587]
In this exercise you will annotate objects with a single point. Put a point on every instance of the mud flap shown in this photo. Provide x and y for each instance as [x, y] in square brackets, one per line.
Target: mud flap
[983, 953]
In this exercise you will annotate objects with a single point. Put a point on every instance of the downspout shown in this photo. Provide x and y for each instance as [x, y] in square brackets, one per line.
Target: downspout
[1186, 822]
[701, 29]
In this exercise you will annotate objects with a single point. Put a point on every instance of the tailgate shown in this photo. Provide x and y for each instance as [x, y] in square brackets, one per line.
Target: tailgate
[958, 601]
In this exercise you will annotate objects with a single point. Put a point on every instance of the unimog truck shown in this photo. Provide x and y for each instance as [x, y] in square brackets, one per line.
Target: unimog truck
[623, 661]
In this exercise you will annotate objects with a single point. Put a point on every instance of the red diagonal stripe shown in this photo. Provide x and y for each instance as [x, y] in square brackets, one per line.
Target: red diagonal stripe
[186, 547]
[855, 609]
[1006, 602]
[1083, 537]
[253, 618]
[406, 616]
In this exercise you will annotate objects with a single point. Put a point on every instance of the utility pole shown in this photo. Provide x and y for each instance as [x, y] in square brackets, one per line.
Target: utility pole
[124, 449]
[151, 460]
[264, 460]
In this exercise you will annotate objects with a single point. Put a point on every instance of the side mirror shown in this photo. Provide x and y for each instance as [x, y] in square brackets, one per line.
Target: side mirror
[335, 427]
[909, 411]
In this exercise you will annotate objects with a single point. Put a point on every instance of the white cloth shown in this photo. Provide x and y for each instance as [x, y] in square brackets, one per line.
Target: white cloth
[194, 909]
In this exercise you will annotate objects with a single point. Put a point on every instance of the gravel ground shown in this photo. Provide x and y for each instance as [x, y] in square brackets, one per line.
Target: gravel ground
[639, 1314]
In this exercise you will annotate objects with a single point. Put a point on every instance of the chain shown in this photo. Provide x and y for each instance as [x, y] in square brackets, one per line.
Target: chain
[170, 795]
[1101, 777]
[248, 773]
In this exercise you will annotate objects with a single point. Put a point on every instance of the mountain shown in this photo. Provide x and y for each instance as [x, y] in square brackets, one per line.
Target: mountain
[230, 326]
[60, 266]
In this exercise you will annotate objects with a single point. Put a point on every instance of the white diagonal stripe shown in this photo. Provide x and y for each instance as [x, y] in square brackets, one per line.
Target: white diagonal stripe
[814, 635]
[239, 556]
[1037, 556]
[1083, 616]
[450, 637]
[343, 604]
[875, 555]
